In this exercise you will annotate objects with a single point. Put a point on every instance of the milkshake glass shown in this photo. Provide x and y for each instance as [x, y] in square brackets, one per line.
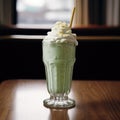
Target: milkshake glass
[59, 58]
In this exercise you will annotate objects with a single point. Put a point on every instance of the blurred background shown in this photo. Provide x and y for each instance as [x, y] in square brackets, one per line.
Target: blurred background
[44, 12]
[24, 23]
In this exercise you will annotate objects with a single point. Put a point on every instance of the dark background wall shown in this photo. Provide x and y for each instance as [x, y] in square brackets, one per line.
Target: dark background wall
[98, 59]
[95, 59]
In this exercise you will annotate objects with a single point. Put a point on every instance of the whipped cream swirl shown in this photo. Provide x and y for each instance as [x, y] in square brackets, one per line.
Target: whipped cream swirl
[61, 33]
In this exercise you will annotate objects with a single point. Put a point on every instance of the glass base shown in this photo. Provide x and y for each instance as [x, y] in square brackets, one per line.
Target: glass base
[59, 102]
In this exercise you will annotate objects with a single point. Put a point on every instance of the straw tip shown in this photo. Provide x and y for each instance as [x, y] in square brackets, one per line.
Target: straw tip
[72, 16]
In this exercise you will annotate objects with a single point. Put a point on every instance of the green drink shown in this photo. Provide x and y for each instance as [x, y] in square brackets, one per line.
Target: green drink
[59, 58]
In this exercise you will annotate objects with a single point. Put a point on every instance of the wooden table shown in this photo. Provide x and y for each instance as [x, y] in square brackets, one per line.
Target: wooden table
[95, 100]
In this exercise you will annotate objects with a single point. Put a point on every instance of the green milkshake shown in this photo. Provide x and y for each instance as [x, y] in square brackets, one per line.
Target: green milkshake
[59, 57]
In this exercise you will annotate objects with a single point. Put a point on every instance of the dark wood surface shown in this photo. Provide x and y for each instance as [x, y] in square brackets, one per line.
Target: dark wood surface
[95, 100]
